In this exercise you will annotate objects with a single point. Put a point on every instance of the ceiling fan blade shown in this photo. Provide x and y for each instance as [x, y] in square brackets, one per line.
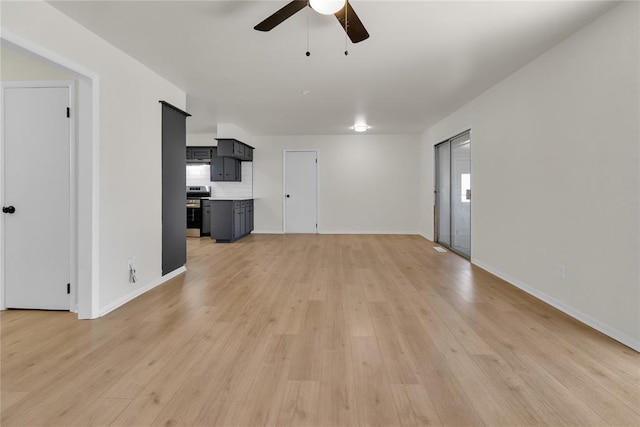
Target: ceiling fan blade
[352, 24]
[280, 16]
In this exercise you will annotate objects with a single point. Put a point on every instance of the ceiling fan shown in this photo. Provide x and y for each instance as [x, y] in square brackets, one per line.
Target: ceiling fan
[341, 9]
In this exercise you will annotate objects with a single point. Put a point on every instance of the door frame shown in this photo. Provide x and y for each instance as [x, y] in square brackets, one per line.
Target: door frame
[73, 232]
[85, 190]
[284, 186]
[436, 213]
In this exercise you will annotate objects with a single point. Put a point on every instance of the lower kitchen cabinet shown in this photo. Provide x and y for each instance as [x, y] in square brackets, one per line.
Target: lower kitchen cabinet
[249, 216]
[231, 219]
[206, 218]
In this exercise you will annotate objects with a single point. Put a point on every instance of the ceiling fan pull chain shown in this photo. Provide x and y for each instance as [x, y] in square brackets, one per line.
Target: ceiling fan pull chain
[346, 27]
[308, 52]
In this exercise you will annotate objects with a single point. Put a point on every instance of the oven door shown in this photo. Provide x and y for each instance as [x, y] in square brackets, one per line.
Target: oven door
[194, 221]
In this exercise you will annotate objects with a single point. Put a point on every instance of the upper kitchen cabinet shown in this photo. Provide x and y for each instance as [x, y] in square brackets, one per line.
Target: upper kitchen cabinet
[225, 168]
[198, 153]
[248, 153]
[229, 147]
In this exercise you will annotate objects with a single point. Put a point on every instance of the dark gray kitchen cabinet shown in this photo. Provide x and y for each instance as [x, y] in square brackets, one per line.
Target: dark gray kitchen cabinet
[225, 168]
[198, 153]
[238, 150]
[229, 147]
[238, 219]
[248, 215]
[217, 166]
[222, 220]
[232, 169]
[206, 217]
[229, 219]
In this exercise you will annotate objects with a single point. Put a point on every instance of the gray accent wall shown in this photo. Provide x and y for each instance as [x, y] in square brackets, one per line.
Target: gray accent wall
[174, 229]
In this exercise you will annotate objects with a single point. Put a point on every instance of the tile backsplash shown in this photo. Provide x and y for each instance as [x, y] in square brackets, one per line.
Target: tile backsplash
[198, 175]
[201, 175]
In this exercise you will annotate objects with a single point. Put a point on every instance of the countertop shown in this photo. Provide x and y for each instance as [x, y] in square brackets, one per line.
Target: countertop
[231, 198]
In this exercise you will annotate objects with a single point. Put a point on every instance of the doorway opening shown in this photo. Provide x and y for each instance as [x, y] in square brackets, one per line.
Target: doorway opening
[84, 189]
[453, 194]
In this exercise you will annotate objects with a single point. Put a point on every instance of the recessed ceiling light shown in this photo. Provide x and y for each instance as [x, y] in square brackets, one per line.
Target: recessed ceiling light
[306, 92]
[360, 127]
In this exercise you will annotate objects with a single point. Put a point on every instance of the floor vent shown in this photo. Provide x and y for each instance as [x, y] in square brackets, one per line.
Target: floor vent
[439, 249]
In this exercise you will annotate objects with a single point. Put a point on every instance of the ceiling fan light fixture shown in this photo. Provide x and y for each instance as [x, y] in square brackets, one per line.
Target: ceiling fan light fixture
[327, 7]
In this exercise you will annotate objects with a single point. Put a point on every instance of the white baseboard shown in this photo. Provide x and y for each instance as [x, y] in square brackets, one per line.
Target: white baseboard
[139, 291]
[567, 309]
[426, 237]
[366, 232]
[341, 232]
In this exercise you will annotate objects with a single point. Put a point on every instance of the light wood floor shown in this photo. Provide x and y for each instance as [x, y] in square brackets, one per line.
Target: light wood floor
[319, 331]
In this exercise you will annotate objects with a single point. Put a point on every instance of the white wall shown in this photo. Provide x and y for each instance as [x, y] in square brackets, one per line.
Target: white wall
[367, 183]
[130, 144]
[201, 139]
[555, 174]
[16, 65]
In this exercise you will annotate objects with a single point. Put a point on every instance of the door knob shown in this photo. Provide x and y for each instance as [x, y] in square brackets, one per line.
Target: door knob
[288, 196]
[8, 209]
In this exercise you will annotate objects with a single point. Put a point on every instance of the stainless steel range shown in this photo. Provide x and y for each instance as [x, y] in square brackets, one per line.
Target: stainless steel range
[195, 194]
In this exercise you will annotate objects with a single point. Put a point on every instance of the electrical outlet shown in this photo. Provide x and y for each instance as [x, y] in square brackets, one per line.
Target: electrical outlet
[562, 273]
[132, 268]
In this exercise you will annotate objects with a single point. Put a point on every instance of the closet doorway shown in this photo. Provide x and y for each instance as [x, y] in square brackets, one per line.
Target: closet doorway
[453, 194]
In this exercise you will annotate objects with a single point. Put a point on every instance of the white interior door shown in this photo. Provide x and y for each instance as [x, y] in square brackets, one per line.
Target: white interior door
[36, 184]
[301, 192]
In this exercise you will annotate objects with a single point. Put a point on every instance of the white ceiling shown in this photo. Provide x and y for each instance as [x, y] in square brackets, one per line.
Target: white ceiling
[424, 59]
